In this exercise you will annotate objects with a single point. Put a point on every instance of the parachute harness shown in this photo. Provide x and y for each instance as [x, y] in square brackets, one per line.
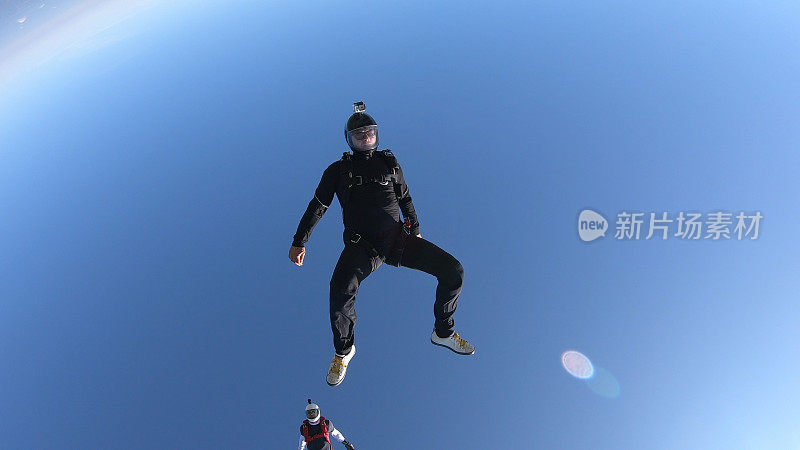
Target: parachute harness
[323, 432]
[348, 179]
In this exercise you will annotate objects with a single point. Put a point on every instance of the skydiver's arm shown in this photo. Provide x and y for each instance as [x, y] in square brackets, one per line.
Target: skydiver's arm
[335, 433]
[404, 200]
[302, 443]
[323, 197]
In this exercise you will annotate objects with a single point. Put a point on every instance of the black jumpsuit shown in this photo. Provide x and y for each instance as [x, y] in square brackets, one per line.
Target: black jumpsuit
[373, 211]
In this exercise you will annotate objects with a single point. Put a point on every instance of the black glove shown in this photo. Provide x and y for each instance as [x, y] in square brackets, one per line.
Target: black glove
[348, 445]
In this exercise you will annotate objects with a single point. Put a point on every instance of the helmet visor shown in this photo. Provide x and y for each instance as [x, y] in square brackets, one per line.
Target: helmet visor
[312, 413]
[363, 138]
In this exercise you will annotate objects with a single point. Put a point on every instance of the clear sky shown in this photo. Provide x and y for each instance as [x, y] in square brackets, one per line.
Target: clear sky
[155, 164]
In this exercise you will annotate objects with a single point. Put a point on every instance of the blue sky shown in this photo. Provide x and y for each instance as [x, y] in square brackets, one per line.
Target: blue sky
[153, 174]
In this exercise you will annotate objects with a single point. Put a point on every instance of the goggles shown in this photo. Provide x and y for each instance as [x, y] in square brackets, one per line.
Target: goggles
[364, 134]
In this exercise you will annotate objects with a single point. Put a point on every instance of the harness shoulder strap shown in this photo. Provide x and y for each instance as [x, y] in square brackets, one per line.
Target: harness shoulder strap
[324, 423]
[390, 160]
[391, 164]
[346, 178]
[346, 165]
[394, 170]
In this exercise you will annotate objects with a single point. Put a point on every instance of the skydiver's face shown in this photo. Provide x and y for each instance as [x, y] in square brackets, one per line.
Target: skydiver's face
[365, 139]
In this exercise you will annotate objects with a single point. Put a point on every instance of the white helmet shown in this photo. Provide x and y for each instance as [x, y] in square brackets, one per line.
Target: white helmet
[312, 411]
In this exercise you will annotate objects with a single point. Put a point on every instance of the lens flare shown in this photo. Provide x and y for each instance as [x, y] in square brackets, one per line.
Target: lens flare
[604, 384]
[577, 364]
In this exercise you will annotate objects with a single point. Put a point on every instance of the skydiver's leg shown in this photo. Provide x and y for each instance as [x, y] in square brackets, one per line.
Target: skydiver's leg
[353, 267]
[423, 255]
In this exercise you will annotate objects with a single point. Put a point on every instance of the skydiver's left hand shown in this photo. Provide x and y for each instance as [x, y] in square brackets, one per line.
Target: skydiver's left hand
[297, 255]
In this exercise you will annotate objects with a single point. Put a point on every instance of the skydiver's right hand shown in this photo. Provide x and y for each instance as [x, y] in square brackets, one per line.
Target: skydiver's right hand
[348, 445]
[297, 255]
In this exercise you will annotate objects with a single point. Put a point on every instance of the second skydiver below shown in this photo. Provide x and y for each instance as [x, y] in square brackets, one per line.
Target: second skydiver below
[316, 431]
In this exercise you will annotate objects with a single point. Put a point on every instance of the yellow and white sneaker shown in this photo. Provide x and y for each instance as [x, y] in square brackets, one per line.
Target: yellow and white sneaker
[339, 367]
[454, 342]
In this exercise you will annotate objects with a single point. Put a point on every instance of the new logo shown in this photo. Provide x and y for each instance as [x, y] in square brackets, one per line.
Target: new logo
[591, 225]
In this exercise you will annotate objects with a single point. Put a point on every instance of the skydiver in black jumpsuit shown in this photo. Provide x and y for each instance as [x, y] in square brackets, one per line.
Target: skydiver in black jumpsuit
[372, 192]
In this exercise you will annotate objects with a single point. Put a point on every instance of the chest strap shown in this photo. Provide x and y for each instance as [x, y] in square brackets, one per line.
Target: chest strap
[348, 178]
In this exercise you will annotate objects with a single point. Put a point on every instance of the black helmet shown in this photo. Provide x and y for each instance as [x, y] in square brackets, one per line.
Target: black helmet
[361, 129]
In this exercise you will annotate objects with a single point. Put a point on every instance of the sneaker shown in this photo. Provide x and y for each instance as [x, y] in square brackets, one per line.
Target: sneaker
[454, 343]
[339, 367]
